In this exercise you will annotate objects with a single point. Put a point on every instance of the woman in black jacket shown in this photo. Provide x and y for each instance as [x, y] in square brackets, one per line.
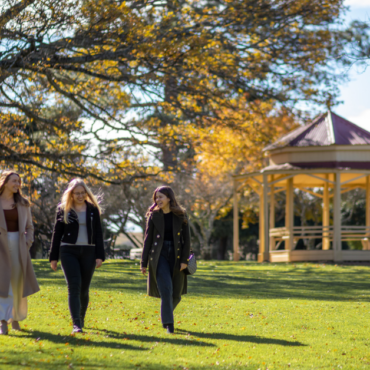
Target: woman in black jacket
[78, 237]
[166, 251]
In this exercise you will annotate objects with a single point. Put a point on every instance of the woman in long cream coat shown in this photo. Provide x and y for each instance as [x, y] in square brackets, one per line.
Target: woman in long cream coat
[17, 278]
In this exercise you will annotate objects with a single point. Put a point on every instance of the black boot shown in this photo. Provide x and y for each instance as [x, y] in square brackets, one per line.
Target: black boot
[170, 329]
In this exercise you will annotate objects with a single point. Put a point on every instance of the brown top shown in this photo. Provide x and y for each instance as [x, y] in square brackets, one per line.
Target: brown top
[11, 218]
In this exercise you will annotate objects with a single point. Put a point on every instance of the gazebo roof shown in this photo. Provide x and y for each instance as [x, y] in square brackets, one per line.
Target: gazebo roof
[327, 129]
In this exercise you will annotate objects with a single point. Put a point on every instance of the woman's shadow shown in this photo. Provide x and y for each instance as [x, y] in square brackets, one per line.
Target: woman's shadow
[172, 339]
[240, 338]
[76, 339]
[116, 339]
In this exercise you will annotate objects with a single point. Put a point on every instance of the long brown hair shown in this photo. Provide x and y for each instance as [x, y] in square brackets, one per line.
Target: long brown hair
[19, 198]
[174, 205]
[66, 204]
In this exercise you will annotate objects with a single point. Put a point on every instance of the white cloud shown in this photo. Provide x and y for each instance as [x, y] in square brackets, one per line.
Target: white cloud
[357, 3]
[362, 120]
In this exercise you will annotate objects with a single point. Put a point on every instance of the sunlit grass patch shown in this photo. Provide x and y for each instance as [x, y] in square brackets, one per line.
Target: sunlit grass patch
[236, 316]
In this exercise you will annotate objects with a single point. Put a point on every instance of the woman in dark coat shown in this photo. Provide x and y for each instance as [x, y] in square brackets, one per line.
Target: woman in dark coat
[166, 250]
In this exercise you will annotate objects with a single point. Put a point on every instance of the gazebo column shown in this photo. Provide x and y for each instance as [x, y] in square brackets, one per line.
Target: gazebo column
[367, 210]
[236, 223]
[326, 216]
[337, 238]
[266, 217]
[263, 223]
[272, 213]
[261, 246]
[289, 215]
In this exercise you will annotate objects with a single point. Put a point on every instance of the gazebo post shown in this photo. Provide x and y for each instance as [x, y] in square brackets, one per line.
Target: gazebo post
[236, 223]
[263, 223]
[289, 215]
[337, 239]
[272, 213]
[367, 210]
[261, 246]
[266, 229]
[326, 216]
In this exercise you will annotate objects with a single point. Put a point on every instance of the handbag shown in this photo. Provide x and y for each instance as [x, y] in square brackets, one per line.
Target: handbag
[192, 264]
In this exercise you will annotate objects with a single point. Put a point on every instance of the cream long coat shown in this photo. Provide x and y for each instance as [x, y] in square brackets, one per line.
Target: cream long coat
[30, 285]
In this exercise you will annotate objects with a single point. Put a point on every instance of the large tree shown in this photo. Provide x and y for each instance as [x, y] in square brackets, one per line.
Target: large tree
[357, 39]
[95, 87]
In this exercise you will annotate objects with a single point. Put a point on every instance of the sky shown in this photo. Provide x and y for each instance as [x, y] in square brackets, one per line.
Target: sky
[355, 94]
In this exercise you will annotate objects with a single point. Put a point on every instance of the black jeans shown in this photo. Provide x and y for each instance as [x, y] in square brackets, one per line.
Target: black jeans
[78, 264]
[166, 264]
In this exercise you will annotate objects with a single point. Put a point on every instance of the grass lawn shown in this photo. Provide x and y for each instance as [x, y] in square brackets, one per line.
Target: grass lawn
[236, 316]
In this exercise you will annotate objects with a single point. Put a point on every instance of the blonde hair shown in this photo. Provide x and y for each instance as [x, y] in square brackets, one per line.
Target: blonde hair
[67, 202]
[19, 198]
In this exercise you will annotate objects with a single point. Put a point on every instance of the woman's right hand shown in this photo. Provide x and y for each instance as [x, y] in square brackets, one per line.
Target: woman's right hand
[54, 265]
[143, 270]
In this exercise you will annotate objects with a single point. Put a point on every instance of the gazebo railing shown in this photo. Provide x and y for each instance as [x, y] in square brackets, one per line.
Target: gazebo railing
[348, 233]
[302, 231]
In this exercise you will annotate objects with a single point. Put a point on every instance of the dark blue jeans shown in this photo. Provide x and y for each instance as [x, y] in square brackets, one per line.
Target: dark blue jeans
[166, 264]
[78, 264]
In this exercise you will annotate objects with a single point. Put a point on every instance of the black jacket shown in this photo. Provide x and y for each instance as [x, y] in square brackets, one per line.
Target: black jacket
[68, 233]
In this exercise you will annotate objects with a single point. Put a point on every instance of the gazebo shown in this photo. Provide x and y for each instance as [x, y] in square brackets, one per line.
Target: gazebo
[331, 154]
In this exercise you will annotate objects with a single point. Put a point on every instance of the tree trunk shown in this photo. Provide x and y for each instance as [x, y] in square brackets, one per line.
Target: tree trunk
[169, 157]
[206, 253]
[222, 246]
[33, 249]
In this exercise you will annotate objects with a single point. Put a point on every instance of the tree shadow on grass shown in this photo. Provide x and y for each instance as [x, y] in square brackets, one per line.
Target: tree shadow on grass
[31, 363]
[306, 282]
[241, 338]
[241, 281]
[151, 339]
[302, 284]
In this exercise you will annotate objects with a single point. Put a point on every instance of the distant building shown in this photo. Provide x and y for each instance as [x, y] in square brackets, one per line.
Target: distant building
[123, 244]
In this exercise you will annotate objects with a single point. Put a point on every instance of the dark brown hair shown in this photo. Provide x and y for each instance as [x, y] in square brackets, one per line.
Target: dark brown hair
[18, 196]
[174, 205]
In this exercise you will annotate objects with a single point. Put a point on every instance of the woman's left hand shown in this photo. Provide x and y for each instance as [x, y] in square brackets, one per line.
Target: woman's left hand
[99, 262]
[183, 266]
